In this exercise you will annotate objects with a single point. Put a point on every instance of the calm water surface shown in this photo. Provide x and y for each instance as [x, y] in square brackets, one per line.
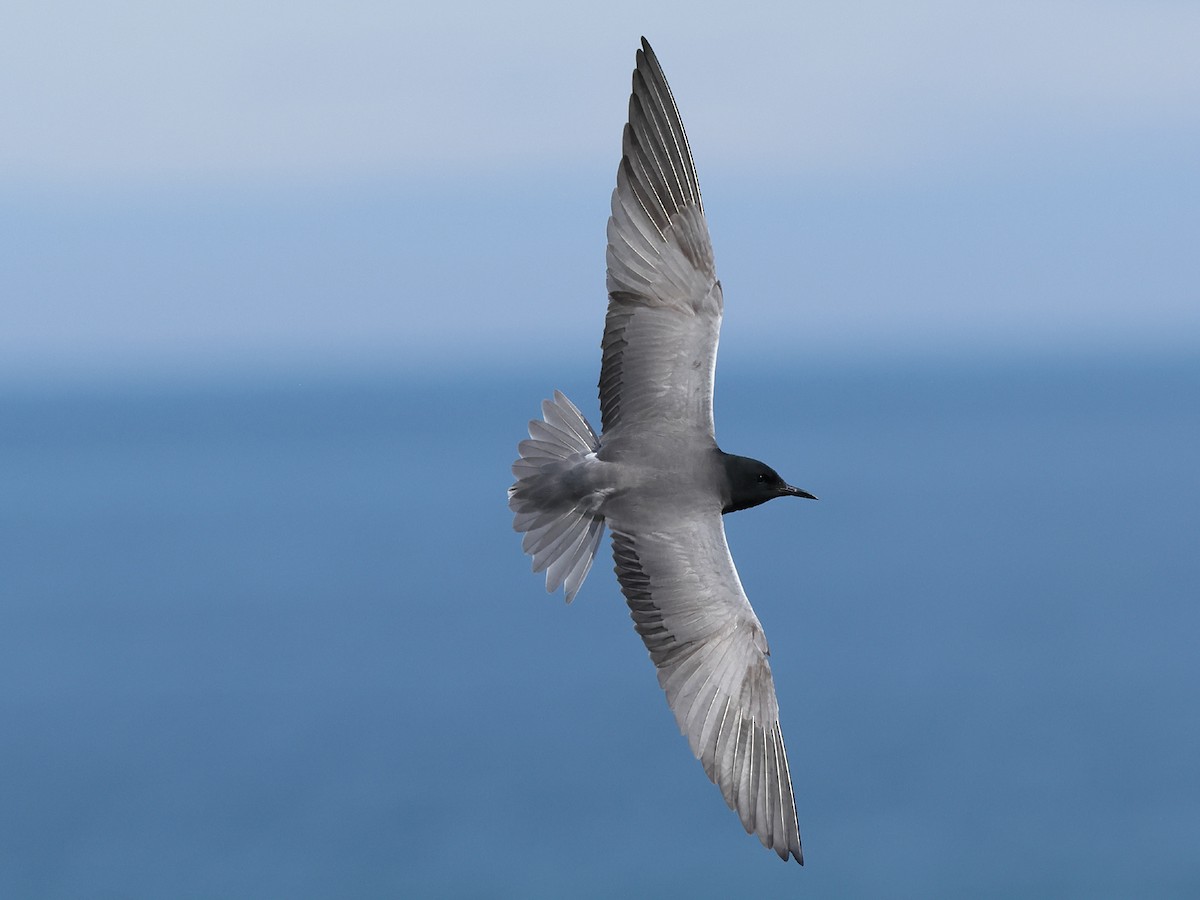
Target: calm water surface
[278, 639]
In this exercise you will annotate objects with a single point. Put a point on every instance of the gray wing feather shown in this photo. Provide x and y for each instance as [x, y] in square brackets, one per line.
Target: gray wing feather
[688, 605]
[665, 303]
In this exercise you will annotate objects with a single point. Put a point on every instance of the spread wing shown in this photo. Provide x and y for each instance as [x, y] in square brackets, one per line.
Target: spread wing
[664, 310]
[689, 607]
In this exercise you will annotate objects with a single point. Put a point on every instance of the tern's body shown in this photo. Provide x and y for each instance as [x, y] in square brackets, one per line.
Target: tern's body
[657, 479]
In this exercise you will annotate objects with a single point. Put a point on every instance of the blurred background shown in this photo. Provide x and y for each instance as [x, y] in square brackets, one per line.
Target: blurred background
[280, 285]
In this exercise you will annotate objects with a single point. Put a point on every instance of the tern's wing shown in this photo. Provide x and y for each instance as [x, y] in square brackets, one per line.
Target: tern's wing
[664, 310]
[689, 607]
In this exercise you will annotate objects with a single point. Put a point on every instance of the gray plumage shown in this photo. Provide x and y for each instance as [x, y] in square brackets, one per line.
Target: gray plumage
[657, 479]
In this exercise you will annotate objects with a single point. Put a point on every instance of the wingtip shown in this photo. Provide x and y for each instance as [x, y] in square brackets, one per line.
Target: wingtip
[788, 852]
[648, 53]
[646, 56]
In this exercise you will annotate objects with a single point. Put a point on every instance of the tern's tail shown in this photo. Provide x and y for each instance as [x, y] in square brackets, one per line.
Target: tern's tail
[554, 503]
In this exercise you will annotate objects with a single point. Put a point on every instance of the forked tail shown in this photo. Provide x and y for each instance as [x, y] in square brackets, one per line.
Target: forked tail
[554, 504]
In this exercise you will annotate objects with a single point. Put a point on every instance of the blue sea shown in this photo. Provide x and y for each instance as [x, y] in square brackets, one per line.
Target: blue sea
[273, 636]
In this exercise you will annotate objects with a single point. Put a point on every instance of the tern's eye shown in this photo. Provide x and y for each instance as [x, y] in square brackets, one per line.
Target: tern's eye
[762, 478]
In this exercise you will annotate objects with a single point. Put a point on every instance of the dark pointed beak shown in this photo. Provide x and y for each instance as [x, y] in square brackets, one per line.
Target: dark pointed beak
[789, 491]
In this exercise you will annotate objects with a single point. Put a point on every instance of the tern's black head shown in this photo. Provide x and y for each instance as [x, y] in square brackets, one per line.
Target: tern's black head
[749, 482]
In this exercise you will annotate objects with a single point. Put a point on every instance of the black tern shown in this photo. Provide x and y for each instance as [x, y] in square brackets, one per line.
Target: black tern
[657, 479]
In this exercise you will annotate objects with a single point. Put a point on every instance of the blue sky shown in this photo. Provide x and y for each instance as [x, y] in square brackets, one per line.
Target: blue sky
[199, 184]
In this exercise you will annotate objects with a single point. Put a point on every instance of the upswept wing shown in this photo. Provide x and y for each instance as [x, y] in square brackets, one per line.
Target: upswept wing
[688, 605]
[664, 311]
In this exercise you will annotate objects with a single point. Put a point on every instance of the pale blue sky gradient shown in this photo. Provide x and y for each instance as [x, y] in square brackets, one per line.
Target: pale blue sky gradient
[214, 185]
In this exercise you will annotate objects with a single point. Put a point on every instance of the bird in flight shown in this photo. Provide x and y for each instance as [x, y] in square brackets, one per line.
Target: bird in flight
[656, 477]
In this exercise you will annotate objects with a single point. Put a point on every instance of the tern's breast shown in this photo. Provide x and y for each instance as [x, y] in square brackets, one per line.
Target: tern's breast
[657, 475]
